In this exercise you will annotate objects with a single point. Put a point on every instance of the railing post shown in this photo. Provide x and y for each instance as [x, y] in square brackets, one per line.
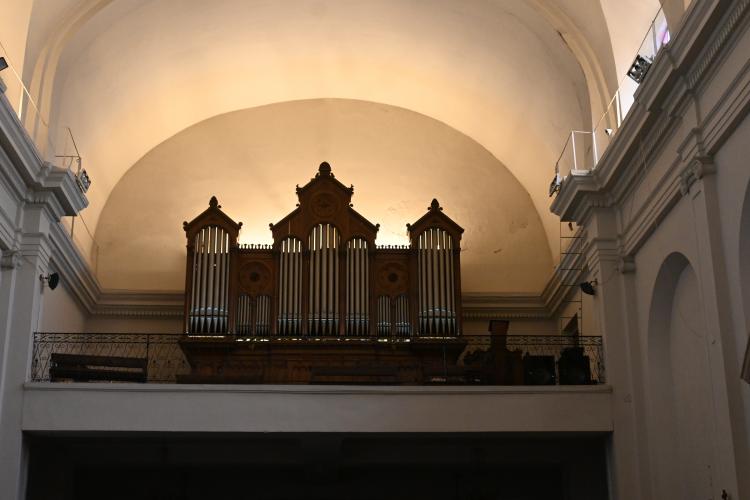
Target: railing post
[573, 144]
[148, 358]
[596, 152]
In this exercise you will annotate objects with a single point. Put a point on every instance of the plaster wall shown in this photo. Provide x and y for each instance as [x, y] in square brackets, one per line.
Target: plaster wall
[449, 62]
[694, 371]
[208, 409]
[397, 160]
[583, 307]
[733, 184]
[678, 382]
[61, 311]
[115, 324]
[517, 326]
[680, 397]
[14, 24]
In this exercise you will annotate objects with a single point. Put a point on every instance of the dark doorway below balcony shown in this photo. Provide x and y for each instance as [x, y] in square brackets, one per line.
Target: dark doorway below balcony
[322, 466]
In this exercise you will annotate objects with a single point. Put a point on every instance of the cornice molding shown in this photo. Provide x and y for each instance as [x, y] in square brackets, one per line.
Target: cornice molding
[37, 175]
[120, 303]
[720, 37]
[504, 306]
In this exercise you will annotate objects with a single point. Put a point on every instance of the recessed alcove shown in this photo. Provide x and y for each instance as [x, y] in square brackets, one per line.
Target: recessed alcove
[398, 161]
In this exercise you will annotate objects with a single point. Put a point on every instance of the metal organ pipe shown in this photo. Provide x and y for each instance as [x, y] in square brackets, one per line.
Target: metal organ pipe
[244, 313]
[384, 316]
[324, 285]
[263, 315]
[290, 287]
[436, 282]
[211, 276]
[210, 281]
[357, 291]
[402, 316]
[193, 320]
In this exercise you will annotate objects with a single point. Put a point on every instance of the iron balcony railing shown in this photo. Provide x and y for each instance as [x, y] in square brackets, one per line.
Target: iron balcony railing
[485, 359]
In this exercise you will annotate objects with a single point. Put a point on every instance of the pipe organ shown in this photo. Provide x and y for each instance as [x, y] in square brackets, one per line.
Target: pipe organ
[323, 277]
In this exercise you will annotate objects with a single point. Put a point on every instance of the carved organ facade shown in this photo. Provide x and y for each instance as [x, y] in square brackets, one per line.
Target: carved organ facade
[323, 276]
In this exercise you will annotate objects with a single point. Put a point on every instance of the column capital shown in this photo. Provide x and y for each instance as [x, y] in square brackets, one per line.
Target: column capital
[11, 259]
[699, 167]
[627, 264]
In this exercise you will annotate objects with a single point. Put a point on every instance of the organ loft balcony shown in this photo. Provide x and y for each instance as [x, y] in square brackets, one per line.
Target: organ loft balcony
[323, 304]
[321, 331]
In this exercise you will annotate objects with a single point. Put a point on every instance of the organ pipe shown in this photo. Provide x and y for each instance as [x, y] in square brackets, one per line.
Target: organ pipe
[263, 315]
[436, 284]
[357, 293]
[384, 316]
[290, 287]
[324, 280]
[244, 314]
[402, 327]
[209, 298]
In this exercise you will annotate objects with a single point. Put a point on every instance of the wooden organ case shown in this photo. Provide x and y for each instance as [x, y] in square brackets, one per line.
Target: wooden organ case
[323, 303]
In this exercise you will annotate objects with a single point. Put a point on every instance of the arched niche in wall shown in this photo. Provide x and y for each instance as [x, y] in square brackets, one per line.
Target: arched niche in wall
[679, 385]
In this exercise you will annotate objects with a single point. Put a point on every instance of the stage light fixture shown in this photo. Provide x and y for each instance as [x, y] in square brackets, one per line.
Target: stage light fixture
[3, 63]
[609, 132]
[84, 181]
[639, 68]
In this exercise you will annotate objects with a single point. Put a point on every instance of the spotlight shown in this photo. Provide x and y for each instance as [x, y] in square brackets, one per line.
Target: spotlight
[84, 181]
[609, 132]
[639, 68]
[3, 63]
[52, 280]
[588, 287]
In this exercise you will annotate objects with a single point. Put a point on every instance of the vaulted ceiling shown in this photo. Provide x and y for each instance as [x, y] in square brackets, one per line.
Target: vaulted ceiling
[509, 77]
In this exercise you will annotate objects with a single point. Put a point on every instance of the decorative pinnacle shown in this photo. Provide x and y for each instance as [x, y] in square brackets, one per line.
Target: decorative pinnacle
[324, 169]
[214, 203]
[434, 205]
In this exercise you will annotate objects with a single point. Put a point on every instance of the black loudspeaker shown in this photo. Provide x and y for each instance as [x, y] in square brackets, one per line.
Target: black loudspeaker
[539, 370]
[574, 367]
[53, 281]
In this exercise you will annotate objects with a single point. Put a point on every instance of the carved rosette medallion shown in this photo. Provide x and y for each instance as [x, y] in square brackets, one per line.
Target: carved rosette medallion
[325, 205]
[393, 278]
[255, 277]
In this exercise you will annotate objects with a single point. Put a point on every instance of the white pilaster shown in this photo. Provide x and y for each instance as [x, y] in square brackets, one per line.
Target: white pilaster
[625, 452]
[42, 193]
[728, 413]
